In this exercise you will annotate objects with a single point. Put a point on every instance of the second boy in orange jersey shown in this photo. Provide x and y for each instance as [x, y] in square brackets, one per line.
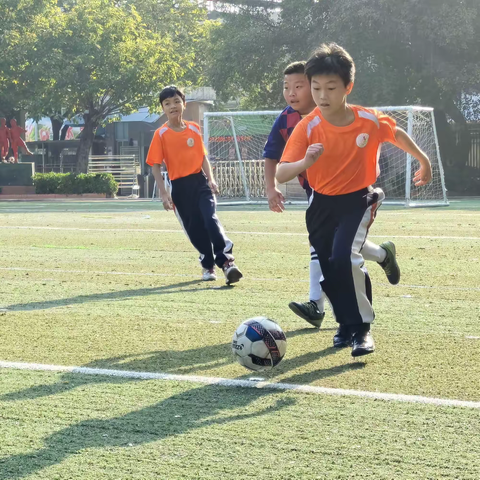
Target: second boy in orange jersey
[179, 145]
[338, 145]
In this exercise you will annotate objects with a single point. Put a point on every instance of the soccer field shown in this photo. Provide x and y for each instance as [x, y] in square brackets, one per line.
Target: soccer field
[115, 285]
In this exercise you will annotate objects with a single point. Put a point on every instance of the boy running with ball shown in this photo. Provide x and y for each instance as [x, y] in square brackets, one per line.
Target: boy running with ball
[298, 95]
[338, 145]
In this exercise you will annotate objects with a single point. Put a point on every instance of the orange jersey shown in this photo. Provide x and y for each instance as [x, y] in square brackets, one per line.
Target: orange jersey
[182, 152]
[350, 158]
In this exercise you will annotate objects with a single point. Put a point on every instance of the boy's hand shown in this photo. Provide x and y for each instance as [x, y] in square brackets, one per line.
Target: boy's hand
[213, 187]
[275, 200]
[423, 175]
[313, 153]
[167, 202]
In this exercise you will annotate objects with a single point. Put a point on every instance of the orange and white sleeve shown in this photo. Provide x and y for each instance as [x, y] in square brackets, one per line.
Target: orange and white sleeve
[296, 146]
[388, 127]
[155, 152]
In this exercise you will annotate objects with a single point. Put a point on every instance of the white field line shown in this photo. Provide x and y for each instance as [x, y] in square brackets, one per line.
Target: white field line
[224, 382]
[151, 230]
[173, 275]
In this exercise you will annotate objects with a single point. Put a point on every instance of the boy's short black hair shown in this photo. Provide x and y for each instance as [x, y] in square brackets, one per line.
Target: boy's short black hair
[331, 59]
[295, 67]
[169, 92]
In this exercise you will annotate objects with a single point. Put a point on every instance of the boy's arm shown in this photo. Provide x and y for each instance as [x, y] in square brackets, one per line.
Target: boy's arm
[272, 152]
[274, 195]
[207, 169]
[424, 174]
[164, 195]
[288, 171]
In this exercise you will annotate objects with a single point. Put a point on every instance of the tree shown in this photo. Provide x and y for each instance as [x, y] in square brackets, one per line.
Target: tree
[406, 52]
[20, 22]
[100, 58]
[416, 52]
[252, 45]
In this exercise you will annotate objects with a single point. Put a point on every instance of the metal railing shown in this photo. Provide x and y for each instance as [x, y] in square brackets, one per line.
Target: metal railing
[122, 167]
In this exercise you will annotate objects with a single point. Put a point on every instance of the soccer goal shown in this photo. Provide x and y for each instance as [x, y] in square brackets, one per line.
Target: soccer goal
[235, 142]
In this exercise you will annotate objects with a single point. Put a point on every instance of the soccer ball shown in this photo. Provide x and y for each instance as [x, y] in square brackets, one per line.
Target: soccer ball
[259, 344]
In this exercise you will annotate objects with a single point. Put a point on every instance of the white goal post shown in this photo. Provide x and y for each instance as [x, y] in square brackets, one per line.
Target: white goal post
[235, 142]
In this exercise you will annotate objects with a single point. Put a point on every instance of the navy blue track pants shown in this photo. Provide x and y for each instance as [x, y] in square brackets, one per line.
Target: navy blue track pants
[195, 207]
[338, 227]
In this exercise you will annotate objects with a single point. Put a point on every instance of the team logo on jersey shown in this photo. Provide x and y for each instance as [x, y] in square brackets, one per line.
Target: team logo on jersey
[190, 142]
[362, 140]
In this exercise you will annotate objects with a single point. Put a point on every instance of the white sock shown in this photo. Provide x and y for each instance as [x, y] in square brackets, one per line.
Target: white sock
[373, 252]
[316, 292]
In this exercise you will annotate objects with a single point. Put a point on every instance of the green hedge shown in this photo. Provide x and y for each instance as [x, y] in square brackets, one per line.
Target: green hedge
[74, 183]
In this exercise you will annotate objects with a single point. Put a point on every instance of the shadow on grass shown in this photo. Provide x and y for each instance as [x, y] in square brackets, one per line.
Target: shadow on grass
[179, 414]
[185, 362]
[119, 295]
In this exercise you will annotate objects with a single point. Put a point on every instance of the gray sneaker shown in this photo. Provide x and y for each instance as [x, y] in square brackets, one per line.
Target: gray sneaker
[390, 265]
[232, 273]
[309, 312]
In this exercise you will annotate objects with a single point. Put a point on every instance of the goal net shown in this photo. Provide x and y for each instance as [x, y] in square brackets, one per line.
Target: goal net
[235, 142]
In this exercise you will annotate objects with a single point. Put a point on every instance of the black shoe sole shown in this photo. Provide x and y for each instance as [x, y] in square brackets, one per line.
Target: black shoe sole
[361, 352]
[299, 313]
[341, 344]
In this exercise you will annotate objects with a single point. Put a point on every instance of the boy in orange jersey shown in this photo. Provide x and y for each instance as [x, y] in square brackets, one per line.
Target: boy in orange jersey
[179, 145]
[298, 95]
[338, 145]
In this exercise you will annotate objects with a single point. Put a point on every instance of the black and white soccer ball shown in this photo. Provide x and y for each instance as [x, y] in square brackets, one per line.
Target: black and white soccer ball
[259, 344]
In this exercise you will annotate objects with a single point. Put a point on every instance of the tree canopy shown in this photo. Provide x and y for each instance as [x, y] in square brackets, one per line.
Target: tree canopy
[100, 58]
[406, 52]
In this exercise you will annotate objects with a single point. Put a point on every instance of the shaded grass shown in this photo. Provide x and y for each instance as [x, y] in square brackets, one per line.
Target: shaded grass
[118, 429]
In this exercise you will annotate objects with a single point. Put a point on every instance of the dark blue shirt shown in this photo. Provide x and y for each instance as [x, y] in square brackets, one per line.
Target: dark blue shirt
[282, 128]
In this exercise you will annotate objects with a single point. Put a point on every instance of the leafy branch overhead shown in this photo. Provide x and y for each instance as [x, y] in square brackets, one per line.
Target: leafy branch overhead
[406, 52]
[99, 58]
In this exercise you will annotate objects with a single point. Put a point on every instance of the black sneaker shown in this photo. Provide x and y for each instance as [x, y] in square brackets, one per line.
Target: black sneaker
[308, 311]
[343, 337]
[390, 265]
[363, 343]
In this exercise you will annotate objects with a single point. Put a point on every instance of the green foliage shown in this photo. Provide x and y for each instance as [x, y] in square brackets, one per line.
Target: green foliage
[47, 183]
[75, 184]
[21, 21]
[98, 58]
[406, 52]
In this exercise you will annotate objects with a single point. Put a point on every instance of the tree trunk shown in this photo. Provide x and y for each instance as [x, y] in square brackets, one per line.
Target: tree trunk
[63, 132]
[56, 126]
[86, 142]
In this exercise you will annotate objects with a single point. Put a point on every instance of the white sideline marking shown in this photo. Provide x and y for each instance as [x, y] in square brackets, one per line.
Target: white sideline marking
[184, 275]
[224, 382]
[152, 230]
